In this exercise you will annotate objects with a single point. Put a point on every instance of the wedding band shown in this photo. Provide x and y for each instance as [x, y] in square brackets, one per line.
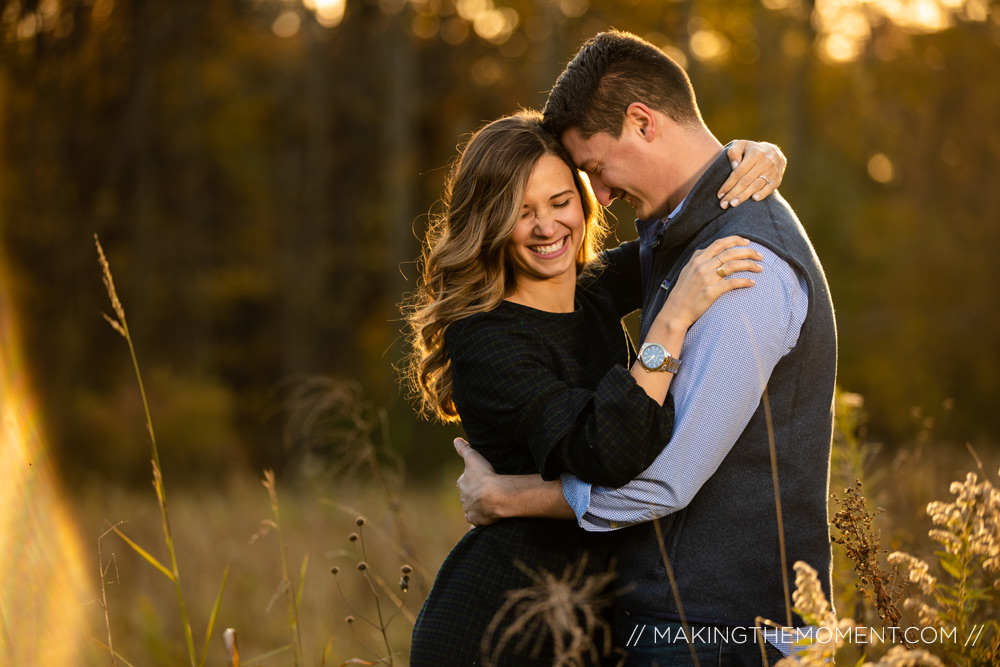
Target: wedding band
[721, 271]
[769, 181]
[720, 260]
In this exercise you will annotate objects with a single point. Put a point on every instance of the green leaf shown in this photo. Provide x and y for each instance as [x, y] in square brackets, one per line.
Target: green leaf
[302, 580]
[214, 615]
[950, 567]
[979, 594]
[145, 554]
[327, 650]
[269, 654]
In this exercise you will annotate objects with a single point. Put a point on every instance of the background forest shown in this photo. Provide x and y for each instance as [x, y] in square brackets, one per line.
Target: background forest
[260, 174]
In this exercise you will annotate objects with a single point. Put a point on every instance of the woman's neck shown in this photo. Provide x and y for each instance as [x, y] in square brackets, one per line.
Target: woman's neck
[554, 295]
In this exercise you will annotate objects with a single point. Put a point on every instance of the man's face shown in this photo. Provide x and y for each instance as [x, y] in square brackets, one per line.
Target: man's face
[619, 168]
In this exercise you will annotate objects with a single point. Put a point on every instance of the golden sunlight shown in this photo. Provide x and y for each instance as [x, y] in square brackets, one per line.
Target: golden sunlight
[42, 577]
[845, 25]
[329, 13]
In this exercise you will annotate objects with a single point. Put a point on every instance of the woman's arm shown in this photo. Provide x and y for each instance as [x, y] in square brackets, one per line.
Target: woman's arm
[607, 447]
[700, 283]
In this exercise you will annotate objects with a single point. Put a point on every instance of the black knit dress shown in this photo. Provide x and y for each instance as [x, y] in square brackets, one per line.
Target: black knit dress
[550, 393]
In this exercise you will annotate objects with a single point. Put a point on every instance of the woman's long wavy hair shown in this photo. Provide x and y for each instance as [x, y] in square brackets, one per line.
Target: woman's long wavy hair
[465, 266]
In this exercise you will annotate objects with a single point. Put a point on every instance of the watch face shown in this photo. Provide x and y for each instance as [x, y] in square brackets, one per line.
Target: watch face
[653, 356]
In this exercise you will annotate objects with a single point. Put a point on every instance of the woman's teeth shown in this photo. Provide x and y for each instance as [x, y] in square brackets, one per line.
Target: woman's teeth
[549, 249]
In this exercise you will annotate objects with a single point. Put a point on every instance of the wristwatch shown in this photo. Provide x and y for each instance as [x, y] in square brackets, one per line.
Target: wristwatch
[654, 357]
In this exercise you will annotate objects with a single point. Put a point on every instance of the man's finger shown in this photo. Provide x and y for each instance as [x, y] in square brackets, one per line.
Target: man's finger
[461, 446]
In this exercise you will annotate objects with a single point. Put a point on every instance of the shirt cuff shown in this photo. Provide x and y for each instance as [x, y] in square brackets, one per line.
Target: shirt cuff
[577, 494]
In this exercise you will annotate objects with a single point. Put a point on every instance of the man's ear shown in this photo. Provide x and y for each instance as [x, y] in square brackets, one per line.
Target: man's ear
[640, 119]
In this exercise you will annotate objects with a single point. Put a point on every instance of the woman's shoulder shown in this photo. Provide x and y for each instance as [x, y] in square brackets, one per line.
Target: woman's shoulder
[503, 323]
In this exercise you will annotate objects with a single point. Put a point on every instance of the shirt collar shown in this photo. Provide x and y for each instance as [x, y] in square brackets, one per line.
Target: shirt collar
[650, 229]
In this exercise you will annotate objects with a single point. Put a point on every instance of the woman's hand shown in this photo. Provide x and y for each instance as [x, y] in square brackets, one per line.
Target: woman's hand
[703, 280]
[757, 172]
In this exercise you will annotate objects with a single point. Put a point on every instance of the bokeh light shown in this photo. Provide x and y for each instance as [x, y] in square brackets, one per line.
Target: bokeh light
[287, 24]
[329, 13]
[845, 26]
[880, 168]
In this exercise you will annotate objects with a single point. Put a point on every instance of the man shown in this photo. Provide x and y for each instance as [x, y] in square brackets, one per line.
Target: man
[759, 367]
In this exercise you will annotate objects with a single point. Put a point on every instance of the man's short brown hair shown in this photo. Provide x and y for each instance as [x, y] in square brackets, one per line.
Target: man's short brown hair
[611, 71]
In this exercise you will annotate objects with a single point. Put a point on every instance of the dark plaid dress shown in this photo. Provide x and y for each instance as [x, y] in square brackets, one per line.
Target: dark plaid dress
[539, 392]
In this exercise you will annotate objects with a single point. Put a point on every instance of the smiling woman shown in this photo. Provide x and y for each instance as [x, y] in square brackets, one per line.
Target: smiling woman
[547, 238]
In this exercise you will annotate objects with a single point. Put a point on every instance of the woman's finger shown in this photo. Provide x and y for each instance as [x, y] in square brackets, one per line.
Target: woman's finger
[757, 175]
[741, 166]
[719, 245]
[736, 151]
[754, 186]
[737, 265]
[738, 252]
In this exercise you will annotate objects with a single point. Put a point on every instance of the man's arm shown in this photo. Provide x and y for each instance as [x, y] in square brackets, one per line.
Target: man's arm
[488, 497]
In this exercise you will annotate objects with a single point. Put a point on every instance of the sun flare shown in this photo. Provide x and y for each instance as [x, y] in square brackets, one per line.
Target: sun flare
[43, 582]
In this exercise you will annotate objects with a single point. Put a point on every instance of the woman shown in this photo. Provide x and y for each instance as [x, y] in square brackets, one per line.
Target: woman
[516, 331]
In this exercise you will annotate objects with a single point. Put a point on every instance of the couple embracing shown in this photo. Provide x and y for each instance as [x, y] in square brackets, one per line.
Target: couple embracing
[584, 455]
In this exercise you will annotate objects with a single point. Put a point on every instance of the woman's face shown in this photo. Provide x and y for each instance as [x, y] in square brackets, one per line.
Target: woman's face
[550, 226]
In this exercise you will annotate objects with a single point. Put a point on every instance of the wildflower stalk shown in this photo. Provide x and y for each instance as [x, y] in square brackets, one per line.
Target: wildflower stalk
[290, 596]
[104, 594]
[965, 601]
[120, 324]
[366, 573]
[862, 544]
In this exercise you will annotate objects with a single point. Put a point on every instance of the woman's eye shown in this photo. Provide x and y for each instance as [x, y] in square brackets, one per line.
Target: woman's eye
[561, 204]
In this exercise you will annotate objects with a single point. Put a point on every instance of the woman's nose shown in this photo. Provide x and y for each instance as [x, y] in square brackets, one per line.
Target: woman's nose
[545, 225]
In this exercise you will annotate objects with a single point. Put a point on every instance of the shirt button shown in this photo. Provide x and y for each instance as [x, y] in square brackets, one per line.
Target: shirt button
[614, 524]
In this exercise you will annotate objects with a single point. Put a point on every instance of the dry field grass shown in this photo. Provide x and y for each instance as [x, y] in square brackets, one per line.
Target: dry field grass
[213, 528]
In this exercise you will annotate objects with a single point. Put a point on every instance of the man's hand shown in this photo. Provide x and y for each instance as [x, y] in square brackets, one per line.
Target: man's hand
[488, 497]
[474, 485]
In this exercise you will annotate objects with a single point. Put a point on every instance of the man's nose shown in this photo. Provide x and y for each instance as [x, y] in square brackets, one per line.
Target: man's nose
[601, 190]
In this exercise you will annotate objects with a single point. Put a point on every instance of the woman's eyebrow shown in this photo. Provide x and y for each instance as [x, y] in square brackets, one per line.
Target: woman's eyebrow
[560, 194]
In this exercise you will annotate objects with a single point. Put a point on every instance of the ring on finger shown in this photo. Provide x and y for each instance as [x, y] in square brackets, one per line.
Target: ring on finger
[720, 260]
[769, 181]
[721, 271]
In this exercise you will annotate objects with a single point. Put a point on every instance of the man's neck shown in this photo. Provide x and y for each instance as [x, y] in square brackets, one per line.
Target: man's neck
[691, 154]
